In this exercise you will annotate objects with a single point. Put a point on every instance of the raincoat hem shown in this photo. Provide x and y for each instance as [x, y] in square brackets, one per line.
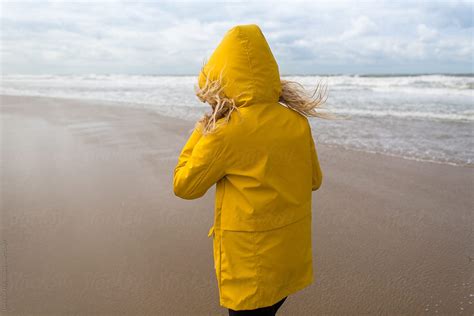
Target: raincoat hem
[291, 290]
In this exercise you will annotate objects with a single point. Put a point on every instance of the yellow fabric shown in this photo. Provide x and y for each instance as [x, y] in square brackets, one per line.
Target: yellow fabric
[249, 70]
[265, 166]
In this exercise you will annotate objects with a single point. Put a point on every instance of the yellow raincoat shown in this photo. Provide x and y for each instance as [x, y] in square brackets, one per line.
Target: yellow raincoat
[266, 166]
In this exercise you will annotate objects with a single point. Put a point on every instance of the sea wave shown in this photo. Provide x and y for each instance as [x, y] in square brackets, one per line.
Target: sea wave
[467, 116]
[425, 117]
[422, 84]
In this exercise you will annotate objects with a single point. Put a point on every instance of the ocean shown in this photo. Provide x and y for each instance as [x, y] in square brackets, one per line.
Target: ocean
[422, 117]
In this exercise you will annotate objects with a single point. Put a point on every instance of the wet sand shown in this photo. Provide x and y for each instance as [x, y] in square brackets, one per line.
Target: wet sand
[90, 224]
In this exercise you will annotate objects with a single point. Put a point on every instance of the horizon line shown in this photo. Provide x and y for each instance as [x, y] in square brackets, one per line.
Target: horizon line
[388, 74]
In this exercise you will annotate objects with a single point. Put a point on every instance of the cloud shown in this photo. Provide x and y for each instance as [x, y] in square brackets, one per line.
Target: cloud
[425, 33]
[360, 27]
[174, 38]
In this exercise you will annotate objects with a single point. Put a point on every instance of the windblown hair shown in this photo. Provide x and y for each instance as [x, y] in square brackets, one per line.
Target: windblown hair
[293, 95]
[222, 107]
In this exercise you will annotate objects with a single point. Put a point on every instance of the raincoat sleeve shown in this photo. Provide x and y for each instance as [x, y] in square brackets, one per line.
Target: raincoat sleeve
[317, 175]
[199, 165]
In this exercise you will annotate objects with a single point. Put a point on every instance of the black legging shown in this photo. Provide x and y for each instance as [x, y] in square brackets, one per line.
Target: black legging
[262, 311]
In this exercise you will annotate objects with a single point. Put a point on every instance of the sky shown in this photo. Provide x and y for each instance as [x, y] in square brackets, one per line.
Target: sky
[316, 37]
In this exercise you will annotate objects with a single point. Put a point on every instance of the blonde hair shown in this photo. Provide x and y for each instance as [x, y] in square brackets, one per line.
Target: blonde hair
[212, 93]
[293, 95]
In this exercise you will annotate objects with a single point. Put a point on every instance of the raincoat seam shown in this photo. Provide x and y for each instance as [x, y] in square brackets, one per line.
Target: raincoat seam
[271, 229]
[220, 241]
[257, 269]
[219, 207]
[246, 45]
[220, 264]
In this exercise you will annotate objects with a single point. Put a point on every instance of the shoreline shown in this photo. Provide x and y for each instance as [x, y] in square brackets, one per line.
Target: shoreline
[149, 106]
[90, 224]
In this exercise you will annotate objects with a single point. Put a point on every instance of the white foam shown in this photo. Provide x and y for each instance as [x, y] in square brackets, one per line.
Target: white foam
[463, 116]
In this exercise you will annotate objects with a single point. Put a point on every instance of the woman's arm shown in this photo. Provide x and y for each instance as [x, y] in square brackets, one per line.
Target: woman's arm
[199, 165]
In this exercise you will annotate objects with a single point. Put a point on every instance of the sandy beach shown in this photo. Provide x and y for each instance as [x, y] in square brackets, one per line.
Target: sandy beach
[90, 224]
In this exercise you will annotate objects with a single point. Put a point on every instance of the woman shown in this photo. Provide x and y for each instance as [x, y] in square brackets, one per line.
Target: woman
[257, 146]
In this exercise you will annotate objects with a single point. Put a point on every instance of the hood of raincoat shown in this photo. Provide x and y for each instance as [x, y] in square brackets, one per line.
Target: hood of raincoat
[248, 69]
